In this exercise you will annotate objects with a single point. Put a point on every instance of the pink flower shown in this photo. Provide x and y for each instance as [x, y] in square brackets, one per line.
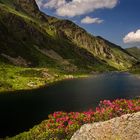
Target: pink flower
[106, 110]
[70, 122]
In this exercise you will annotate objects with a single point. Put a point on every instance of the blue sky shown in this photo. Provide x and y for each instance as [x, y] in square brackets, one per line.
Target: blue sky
[115, 20]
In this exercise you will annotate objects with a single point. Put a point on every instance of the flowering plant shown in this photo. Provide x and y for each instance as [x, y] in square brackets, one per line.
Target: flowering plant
[62, 125]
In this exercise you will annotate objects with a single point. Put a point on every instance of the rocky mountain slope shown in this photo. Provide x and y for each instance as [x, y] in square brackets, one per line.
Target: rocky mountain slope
[135, 51]
[30, 38]
[125, 127]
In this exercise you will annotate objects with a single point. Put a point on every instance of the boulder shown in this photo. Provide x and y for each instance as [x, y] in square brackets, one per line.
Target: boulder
[126, 127]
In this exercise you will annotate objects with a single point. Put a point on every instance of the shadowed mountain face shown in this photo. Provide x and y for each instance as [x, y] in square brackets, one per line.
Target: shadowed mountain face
[28, 38]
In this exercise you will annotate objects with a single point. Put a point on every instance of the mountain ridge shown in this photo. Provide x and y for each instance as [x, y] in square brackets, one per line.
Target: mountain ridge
[49, 29]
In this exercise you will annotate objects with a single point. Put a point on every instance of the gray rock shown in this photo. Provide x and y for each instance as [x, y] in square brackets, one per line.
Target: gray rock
[126, 127]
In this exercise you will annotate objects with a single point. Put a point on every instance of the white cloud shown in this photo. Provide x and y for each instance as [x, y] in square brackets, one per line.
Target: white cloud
[78, 7]
[90, 20]
[56, 4]
[132, 37]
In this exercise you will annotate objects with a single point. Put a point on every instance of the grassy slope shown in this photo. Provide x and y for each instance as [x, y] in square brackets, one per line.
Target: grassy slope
[18, 41]
[102, 49]
[22, 43]
[135, 51]
[135, 69]
[80, 52]
[60, 31]
[18, 78]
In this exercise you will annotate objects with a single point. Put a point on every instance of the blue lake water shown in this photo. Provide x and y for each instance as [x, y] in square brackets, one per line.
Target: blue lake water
[21, 110]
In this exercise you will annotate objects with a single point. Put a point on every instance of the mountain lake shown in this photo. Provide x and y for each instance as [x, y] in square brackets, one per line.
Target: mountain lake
[21, 110]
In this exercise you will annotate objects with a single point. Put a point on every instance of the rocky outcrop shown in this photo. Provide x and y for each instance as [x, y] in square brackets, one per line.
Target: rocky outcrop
[102, 49]
[19, 61]
[126, 127]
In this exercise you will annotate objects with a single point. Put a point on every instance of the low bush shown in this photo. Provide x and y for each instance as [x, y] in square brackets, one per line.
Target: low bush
[62, 125]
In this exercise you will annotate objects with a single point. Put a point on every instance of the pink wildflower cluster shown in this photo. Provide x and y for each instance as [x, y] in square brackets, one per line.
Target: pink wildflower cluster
[116, 108]
[68, 123]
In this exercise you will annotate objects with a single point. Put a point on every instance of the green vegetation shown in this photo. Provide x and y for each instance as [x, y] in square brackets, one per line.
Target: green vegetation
[19, 78]
[48, 33]
[16, 78]
[37, 49]
[135, 69]
[32, 42]
[134, 51]
[62, 125]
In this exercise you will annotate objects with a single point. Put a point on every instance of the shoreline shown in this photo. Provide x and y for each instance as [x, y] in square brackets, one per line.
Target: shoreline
[49, 83]
[65, 77]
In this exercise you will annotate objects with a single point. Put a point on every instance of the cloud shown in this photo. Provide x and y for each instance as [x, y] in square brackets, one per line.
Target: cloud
[90, 20]
[132, 37]
[77, 7]
[56, 4]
